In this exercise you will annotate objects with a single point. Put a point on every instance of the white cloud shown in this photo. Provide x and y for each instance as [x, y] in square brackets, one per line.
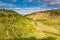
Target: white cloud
[28, 10]
[5, 4]
[47, 2]
[30, 0]
[34, 1]
[2, 4]
[51, 2]
[13, 0]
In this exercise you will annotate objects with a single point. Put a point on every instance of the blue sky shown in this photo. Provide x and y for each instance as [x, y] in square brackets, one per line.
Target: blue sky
[29, 6]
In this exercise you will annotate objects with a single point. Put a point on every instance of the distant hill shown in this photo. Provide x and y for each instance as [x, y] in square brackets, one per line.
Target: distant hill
[14, 26]
[53, 15]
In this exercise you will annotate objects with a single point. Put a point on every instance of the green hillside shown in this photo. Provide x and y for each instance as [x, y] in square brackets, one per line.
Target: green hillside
[14, 26]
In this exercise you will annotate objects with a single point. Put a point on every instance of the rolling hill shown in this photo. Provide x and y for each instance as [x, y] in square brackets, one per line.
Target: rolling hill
[48, 21]
[14, 26]
[52, 15]
[48, 17]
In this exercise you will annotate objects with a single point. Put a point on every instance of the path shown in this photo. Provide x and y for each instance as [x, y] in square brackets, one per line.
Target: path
[35, 22]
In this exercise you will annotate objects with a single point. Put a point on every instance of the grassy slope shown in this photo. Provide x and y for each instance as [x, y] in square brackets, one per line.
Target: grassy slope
[16, 27]
[13, 25]
[51, 15]
[47, 20]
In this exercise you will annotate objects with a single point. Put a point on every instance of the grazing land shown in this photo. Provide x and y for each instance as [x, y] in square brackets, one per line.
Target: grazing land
[43, 25]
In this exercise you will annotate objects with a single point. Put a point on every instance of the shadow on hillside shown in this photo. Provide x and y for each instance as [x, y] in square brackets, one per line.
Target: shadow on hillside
[33, 38]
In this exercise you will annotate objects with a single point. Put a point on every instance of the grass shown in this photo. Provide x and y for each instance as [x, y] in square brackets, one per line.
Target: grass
[50, 23]
[14, 26]
[47, 20]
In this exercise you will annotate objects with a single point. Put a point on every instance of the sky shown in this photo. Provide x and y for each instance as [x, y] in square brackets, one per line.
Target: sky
[29, 6]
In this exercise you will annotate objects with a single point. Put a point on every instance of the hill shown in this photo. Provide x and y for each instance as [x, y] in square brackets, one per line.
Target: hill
[52, 15]
[14, 26]
[48, 17]
[48, 21]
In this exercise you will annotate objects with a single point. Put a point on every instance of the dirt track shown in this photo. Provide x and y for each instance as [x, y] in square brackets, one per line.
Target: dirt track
[35, 22]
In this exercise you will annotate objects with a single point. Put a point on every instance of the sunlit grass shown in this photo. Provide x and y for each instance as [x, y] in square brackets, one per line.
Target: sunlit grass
[14, 26]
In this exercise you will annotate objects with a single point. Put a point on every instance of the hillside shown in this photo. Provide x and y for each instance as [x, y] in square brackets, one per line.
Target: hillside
[52, 15]
[14, 26]
[48, 17]
[48, 21]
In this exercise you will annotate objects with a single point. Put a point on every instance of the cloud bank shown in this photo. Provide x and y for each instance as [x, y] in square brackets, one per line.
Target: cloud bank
[47, 2]
[13, 0]
[51, 2]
